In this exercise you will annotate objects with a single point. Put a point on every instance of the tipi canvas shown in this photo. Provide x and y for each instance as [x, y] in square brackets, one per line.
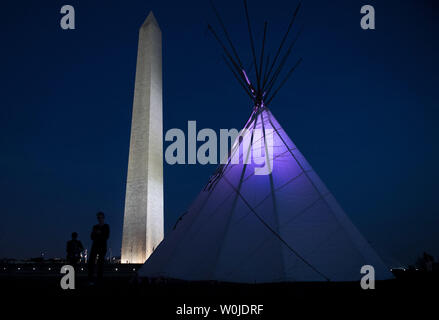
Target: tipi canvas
[249, 227]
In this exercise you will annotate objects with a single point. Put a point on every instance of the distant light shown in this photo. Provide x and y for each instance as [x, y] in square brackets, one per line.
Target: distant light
[134, 269]
[49, 269]
[82, 269]
[115, 269]
[33, 268]
[18, 268]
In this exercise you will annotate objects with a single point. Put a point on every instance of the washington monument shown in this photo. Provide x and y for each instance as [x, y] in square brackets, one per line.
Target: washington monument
[143, 218]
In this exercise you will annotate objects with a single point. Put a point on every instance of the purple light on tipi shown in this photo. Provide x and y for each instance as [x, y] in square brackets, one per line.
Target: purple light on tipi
[285, 226]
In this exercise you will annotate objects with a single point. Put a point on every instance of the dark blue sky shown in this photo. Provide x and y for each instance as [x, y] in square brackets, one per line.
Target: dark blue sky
[362, 107]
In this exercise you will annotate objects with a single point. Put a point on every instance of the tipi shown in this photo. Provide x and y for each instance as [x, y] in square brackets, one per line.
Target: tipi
[247, 226]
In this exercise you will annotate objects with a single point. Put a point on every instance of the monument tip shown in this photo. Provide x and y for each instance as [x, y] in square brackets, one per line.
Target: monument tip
[150, 20]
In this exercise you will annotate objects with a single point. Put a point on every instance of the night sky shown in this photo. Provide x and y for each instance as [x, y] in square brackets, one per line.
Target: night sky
[362, 108]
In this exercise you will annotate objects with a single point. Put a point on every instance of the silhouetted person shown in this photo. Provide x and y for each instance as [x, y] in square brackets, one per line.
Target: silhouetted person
[74, 249]
[99, 235]
[428, 261]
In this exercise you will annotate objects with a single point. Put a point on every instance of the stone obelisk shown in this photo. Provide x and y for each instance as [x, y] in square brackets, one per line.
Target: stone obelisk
[143, 218]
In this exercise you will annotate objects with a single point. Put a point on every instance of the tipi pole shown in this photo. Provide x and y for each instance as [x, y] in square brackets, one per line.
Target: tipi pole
[237, 78]
[285, 80]
[267, 62]
[273, 194]
[226, 33]
[261, 63]
[251, 42]
[282, 43]
[234, 63]
[282, 63]
[232, 210]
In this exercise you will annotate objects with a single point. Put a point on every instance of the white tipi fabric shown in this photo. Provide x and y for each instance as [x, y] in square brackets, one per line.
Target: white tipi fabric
[284, 226]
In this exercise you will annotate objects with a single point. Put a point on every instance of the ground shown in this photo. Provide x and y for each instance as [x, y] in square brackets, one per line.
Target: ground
[165, 296]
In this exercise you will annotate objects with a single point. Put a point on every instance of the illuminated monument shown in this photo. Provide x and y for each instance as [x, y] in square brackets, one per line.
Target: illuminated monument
[143, 218]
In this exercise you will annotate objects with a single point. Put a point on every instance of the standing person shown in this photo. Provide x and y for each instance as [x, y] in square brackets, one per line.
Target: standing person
[74, 249]
[99, 234]
[428, 262]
